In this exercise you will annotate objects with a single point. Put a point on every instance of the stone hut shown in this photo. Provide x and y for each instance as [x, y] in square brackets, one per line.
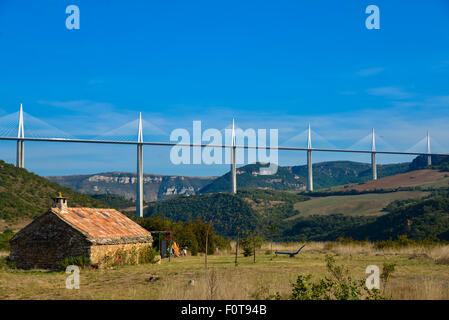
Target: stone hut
[65, 232]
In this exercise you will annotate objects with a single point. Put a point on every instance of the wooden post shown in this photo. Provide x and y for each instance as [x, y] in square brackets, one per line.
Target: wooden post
[237, 245]
[254, 243]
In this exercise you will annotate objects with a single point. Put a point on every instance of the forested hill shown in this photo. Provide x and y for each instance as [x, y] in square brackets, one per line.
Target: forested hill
[249, 177]
[335, 173]
[26, 195]
[224, 210]
[417, 219]
[325, 175]
[438, 162]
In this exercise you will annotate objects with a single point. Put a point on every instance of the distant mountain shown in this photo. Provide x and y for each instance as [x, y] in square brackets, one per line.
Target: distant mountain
[160, 187]
[248, 177]
[325, 175]
[439, 162]
[335, 173]
[26, 195]
[155, 187]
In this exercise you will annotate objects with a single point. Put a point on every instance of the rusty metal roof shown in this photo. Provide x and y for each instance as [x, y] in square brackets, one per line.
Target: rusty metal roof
[102, 223]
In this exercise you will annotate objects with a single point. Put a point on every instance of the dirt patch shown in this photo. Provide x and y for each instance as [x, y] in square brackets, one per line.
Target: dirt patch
[412, 178]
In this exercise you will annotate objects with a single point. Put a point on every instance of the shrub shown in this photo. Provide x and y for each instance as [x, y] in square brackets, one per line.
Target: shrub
[248, 245]
[148, 255]
[6, 263]
[4, 239]
[403, 242]
[122, 257]
[80, 261]
[387, 270]
[339, 285]
[222, 243]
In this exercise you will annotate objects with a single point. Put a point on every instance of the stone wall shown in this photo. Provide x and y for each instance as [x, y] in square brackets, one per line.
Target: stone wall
[45, 242]
[48, 240]
[99, 252]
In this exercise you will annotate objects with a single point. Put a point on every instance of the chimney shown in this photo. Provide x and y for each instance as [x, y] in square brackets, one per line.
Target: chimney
[60, 202]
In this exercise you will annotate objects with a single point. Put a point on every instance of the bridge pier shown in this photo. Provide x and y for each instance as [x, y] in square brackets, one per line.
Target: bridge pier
[373, 155]
[309, 171]
[139, 200]
[374, 165]
[309, 160]
[20, 161]
[20, 154]
[139, 173]
[233, 167]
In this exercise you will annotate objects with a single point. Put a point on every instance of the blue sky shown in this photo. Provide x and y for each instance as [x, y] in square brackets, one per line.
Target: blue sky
[269, 64]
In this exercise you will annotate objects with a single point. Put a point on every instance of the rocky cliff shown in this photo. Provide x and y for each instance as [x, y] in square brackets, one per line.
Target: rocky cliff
[156, 187]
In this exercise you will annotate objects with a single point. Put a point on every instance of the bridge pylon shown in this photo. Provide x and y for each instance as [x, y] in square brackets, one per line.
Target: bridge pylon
[429, 157]
[139, 173]
[309, 160]
[373, 155]
[233, 166]
[20, 161]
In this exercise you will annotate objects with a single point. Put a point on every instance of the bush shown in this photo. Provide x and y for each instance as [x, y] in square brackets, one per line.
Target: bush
[4, 239]
[403, 242]
[80, 261]
[191, 234]
[339, 285]
[221, 243]
[6, 263]
[148, 255]
[248, 245]
[122, 257]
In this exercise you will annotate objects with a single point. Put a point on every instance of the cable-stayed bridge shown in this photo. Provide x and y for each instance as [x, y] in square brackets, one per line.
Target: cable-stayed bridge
[12, 129]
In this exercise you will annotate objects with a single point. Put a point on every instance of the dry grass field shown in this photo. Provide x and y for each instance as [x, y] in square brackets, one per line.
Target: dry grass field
[370, 204]
[421, 273]
[424, 178]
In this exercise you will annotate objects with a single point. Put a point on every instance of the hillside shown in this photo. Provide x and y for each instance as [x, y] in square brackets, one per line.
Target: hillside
[226, 211]
[25, 195]
[115, 201]
[325, 175]
[425, 177]
[155, 187]
[366, 204]
[321, 215]
[438, 162]
[417, 219]
[420, 219]
[335, 173]
[248, 177]
[159, 187]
